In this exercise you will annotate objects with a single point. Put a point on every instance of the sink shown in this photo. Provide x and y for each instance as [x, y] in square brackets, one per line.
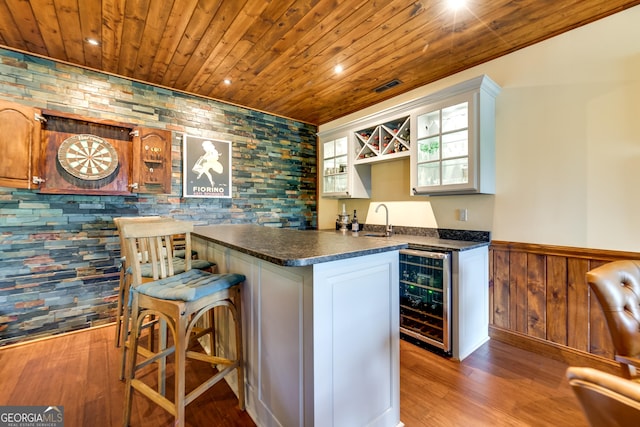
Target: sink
[375, 235]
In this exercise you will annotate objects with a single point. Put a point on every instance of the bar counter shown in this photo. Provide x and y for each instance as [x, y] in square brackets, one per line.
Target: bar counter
[320, 321]
[289, 247]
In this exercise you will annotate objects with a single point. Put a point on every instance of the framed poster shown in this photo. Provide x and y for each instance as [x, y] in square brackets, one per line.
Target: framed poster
[206, 168]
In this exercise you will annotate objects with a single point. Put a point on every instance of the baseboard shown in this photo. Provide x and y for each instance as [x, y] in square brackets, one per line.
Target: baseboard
[53, 336]
[568, 355]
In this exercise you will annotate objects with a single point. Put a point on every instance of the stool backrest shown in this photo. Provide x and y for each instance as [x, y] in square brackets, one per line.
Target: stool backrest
[125, 219]
[149, 245]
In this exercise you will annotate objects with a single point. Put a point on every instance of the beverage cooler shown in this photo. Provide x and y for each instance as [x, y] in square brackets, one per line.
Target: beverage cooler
[425, 295]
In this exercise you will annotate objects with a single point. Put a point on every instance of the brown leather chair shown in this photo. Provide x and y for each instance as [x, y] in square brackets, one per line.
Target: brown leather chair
[617, 287]
[607, 400]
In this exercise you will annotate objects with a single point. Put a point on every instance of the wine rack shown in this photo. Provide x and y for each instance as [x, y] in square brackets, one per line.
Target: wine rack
[384, 141]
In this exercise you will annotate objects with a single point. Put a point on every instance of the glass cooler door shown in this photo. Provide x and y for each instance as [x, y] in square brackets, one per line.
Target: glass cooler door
[425, 289]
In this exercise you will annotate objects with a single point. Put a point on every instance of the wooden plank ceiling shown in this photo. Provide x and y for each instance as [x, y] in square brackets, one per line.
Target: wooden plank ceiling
[280, 54]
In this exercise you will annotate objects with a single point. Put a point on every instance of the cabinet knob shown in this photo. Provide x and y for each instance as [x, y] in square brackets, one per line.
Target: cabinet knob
[134, 186]
[37, 180]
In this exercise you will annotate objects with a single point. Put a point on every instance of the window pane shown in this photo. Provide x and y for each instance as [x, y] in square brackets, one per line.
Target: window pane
[429, 124]
[341, 164]
[429, 149]
[329, 149]
[329, 186]
[428, 174]
[329, 166]
[341, 146]
[455, 117]
[341, 183]
[455, 171]
[455, 144]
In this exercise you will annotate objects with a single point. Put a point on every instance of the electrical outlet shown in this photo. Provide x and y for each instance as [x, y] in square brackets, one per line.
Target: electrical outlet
[462, 214]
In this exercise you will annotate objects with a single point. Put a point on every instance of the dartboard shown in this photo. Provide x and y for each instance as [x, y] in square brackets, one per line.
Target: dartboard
[88, 157]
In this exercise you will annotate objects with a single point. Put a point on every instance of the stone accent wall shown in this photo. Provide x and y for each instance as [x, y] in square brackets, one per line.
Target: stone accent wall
[59, 254]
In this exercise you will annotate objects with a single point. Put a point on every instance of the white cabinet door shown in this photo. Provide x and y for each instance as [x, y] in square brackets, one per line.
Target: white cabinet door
[445, 146]
[334, 165]
[341, 178]
[454, 152]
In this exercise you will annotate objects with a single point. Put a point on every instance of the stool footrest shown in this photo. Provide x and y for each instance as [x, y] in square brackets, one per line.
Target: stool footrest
[214, 360]
[156, 397]
[207, 384]
[152, 357]
[143, 351]
[166, 404]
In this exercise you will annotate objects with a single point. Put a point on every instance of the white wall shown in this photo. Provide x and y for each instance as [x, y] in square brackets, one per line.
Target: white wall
[567, 146]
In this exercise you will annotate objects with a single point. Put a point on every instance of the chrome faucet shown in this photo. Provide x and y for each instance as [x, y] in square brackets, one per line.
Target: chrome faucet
[388, 228]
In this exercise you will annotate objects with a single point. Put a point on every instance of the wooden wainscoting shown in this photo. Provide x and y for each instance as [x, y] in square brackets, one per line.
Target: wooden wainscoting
[540, 292]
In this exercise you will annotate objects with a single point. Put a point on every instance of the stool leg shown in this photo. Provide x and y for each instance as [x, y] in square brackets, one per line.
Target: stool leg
[124, 332]
[181, 345]
[124, 323]
[123, 359]
[239, 349]
[119, 312]
[130, 367]
[213, 344]
[162, 363]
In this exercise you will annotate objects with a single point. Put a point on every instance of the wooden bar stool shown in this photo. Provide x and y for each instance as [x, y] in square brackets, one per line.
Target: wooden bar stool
[123, 291]
[122, 314]
[180, 300]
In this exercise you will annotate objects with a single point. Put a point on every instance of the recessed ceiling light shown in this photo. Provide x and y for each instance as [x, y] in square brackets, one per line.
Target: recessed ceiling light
[227, 81]
[456, 4]
[338, 69]
[93, 42]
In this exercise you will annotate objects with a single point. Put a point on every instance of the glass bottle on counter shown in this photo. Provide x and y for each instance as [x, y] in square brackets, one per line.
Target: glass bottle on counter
[355, 226]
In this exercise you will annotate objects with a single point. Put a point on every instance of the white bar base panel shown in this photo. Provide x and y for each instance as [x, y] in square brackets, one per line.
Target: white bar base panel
[322, 341]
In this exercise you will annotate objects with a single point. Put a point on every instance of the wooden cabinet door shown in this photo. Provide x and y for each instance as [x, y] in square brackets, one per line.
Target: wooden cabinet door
[19, 145]
[151, 161]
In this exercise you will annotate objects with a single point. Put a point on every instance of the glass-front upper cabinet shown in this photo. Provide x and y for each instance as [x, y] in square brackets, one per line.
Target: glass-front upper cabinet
[340, 179]
[454, 148]
[335, 165]
[443, 146]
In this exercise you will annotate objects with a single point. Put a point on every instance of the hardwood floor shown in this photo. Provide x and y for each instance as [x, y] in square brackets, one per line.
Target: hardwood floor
[498, 385]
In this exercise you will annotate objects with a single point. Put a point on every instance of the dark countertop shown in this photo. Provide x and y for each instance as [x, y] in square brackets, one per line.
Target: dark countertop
[290, 247]
[425, 243]
[434, 243]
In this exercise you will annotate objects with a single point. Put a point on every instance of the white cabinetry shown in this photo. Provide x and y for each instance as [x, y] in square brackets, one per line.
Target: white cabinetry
[449, 136]
[455, 139]
[341, 178]
[470, 300]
